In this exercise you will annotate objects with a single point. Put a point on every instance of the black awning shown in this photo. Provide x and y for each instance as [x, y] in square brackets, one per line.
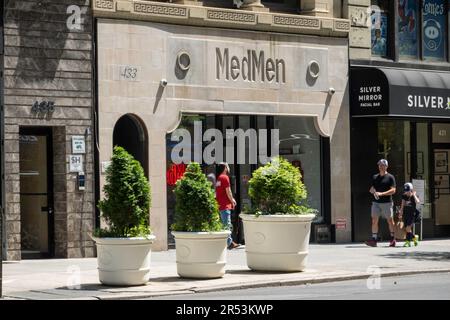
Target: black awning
[378, 91]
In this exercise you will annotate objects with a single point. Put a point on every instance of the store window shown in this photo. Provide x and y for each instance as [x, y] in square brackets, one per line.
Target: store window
[298, 142]
[379, 27]
[421, 29]
[408, 26]
[434, 32]
[394, 145]
[300, 145]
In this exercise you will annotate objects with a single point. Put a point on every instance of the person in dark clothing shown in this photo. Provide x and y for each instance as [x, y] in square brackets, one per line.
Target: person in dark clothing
[410, 201]
[383, 187]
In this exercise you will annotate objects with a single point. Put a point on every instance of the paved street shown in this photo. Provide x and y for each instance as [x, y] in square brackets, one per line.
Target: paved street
[414, 287]
[78, 278]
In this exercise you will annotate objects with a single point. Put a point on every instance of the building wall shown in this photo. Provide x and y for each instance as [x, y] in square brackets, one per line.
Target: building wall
[358, 12]
[45, 60]
[2, 163]
[124, 43]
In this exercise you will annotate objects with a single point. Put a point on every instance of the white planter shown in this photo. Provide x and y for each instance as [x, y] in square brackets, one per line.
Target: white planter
[277, 242]
[201, 254]
[124, 261]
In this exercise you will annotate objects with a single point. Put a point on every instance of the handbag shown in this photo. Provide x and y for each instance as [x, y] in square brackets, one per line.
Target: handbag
[399, 230]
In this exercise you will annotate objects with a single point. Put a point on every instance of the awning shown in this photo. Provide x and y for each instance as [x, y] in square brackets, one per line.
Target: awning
[376, 91]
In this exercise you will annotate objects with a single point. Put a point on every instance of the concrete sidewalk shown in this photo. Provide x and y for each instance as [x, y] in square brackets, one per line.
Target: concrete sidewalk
[78, 278]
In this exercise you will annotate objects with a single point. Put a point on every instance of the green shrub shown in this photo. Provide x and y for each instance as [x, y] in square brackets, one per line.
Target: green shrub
[276, 188]
[127, 197]
[196, 208]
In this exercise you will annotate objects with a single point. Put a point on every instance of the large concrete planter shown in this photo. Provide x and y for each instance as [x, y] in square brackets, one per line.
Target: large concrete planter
[277, 242]
[124, 261]
[201, 254]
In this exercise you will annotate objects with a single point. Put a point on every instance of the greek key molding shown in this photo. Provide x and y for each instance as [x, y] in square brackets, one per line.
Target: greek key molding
[342, 25]
[296, 21]
[104, 5]
[157, 9]
[240, 17]
[176, 13]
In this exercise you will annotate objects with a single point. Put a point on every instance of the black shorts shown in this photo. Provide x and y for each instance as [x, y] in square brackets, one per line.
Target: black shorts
[408, 218]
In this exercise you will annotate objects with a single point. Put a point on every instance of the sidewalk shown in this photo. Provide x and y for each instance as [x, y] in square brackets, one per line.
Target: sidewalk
[58, 278]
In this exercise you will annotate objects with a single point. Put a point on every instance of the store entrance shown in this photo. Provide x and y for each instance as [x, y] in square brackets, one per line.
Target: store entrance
[240, 172]
[130, 134]
[441, 188]
[36, 193]
[248, 142]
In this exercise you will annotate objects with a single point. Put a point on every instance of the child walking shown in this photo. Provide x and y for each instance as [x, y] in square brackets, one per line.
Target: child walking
[407, 211]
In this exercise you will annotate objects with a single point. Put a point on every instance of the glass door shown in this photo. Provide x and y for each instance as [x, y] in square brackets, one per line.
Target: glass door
[441, 172]
[441, 186]
[419, 162]
[36, 212]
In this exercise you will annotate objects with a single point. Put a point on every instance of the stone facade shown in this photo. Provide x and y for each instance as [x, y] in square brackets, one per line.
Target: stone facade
[126, 42]
[318, 19]
[48, 56]
[358, 12]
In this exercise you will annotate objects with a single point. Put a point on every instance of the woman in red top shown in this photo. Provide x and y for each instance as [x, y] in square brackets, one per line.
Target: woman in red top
[225, 200]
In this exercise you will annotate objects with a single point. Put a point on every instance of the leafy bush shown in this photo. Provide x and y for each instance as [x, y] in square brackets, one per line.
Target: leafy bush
[276, 188]
[196, 208]
[127, 197]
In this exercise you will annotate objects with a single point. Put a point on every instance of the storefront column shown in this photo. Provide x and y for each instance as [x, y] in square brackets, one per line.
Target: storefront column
[157, 177]
[340, 175]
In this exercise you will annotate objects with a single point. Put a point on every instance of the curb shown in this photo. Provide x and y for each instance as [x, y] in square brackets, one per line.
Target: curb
[277, 283]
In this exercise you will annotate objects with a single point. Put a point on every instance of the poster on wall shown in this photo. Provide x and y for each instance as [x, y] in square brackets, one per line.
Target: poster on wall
[419, 186]
[440, 162]
[75, 163]
[379, 33]
[407, 28]
[434, 29]
[78, 144]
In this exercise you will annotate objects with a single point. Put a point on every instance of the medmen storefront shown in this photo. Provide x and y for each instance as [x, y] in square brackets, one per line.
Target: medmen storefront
[404, 116]
[275, 91]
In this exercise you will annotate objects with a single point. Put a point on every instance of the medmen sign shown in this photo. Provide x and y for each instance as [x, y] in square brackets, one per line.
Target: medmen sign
[255, 66]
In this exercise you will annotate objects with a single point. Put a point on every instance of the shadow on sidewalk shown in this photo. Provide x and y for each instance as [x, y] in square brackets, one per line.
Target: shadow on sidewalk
[256, 272]
[357, 246]
[97, 287]
[419, 255]
[88, 287]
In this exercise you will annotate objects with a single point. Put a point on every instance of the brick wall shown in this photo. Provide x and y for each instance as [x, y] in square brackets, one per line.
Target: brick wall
[45, 60]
